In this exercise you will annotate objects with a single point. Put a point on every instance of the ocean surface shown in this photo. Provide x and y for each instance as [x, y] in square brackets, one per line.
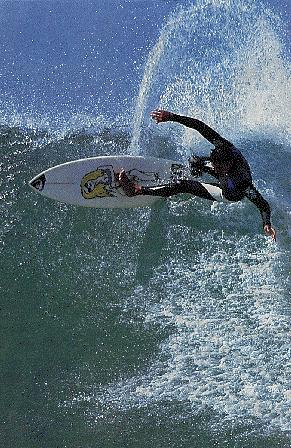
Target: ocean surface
[166, 326]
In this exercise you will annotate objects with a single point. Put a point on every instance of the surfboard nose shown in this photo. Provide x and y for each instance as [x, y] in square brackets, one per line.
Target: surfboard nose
[38, 182]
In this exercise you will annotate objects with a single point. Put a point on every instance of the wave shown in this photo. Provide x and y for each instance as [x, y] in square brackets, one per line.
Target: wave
[204, 276]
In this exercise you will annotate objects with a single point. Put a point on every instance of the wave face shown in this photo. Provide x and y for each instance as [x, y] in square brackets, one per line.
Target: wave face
[173, 318]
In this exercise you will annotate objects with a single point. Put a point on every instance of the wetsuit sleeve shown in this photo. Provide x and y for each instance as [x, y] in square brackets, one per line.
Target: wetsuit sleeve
[205, 130]
[256, 198]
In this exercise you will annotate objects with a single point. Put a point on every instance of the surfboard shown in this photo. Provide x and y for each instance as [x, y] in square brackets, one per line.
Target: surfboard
[93, 182]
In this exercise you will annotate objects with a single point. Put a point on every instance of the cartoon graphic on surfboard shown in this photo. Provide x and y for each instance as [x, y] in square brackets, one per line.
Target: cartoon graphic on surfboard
[103, 182]
[98, 183]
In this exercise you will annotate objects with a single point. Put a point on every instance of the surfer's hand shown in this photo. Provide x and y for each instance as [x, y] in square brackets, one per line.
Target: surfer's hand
[270, 231]
[161, 115]
[196, 164]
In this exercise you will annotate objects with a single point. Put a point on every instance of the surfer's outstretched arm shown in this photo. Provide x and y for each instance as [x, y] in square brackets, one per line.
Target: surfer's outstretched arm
[257, 199]
[206, 131]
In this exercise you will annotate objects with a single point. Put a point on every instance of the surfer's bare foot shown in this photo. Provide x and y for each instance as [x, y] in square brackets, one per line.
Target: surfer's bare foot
[129, 188]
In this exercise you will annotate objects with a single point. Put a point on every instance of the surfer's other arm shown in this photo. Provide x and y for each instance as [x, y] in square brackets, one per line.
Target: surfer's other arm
[206, 131]
[257, 199]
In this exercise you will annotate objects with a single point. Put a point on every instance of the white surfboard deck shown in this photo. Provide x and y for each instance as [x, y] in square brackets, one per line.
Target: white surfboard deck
[93, 182]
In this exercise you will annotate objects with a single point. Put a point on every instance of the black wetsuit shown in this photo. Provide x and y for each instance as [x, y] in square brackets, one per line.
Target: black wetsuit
[235, 185]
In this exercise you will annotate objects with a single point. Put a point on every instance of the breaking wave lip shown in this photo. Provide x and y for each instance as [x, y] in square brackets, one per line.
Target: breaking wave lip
[223, 61]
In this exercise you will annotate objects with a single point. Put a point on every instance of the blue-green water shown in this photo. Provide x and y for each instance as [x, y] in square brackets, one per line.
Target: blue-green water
[165, 326]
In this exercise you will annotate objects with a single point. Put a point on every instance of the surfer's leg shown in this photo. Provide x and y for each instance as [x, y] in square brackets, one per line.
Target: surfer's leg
[183, 186]
[204, 191]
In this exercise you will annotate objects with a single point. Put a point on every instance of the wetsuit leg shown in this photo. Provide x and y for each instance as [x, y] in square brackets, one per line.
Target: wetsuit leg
[184, 186]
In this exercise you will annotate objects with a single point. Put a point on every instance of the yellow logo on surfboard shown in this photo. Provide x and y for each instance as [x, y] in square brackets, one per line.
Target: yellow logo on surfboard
[98, 183]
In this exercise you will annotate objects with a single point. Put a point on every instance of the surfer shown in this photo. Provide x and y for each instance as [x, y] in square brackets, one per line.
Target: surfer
[228, 167]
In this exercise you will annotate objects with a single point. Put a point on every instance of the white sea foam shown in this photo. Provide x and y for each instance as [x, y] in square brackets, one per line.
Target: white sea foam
[229, 348]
